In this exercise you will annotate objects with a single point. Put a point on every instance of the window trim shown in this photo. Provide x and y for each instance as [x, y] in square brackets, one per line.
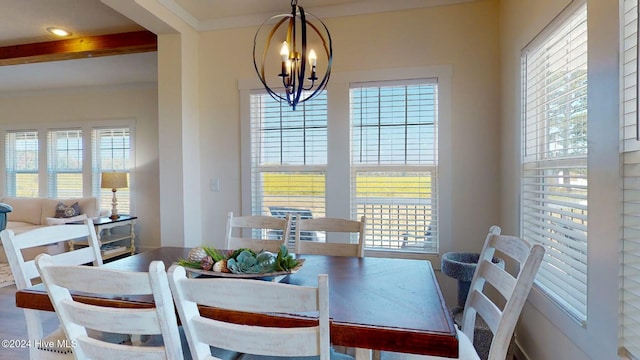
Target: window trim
[4, 169]
[104, 195]
[52, 170]
[367, 98]
[560, 317]
[338, 167]
[629, 148]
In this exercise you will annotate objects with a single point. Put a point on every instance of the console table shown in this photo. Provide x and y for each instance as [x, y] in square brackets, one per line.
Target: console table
[113, 243]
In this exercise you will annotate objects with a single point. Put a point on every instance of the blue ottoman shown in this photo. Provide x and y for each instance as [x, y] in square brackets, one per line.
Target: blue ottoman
[4, 210]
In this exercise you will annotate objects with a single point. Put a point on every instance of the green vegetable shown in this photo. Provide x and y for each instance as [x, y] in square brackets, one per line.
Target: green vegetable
[235, 253]
[190, 264]
[265, 259]
[215, 255]
[246, 263]
[284, 260]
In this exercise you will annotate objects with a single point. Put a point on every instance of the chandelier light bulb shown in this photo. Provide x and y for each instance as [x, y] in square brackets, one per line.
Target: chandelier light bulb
[313, 58]
[284, 51]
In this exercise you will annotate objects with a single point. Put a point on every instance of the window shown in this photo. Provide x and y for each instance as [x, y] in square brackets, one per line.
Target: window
[111, 151]
[64, 163]
[71, 169]
[288, 157]
[21, 158]
[554, 158]
[630, 282]
[394, 148]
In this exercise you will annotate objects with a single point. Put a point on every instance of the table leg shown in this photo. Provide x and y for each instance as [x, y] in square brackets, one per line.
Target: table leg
[133, 238]
[363, 354]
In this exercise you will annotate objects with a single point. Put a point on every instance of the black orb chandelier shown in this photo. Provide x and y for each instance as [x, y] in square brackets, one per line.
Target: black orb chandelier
[294, 35]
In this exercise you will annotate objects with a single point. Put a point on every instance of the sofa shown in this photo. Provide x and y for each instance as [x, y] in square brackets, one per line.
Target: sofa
[31, 213]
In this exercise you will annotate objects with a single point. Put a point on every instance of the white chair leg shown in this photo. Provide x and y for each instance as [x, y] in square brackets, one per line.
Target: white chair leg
[363, 354]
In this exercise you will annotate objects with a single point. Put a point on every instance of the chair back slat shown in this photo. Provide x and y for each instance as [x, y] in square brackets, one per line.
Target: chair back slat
[266, 341]
[111, 281]
[96, 350]
[490, 313]
[52, 234]
[512, 246]
[329, 249]
[498, 278]
[113, 320]
[233, 295]
[330, 225]
[258, 222]
[278, 227]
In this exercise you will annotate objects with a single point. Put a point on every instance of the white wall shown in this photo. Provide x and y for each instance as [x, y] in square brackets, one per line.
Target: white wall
[139, 103]
[545, 332]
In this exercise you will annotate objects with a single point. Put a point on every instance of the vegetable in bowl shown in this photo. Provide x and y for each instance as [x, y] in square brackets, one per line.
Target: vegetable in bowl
[240, 261]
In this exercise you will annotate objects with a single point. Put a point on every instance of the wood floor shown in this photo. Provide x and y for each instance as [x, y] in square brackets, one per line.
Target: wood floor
[13, 326]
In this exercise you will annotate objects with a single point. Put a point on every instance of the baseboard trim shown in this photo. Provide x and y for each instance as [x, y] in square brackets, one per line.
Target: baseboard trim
[518, 353]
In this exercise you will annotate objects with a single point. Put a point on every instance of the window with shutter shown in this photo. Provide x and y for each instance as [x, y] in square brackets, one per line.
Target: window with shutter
[394, 148]
[64, 163]
[554, 182]
[288, 157]
[21, 163]
[630, 272]
[111, 151]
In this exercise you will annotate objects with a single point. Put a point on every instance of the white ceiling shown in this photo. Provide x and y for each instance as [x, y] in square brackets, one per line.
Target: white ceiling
[25, 21]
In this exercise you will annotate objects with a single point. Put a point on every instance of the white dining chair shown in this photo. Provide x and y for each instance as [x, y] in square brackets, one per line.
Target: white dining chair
[274, 232]
[513, 288]
[77, 318]
[25, 274]
[256, 342]
[328, 226]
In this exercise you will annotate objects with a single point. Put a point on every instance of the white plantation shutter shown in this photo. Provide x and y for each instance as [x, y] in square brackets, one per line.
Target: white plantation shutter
[394, 149]
[64, 163]
[554, 157]
[21, 159]
[111, 150]
[630, 294]
[288, 157]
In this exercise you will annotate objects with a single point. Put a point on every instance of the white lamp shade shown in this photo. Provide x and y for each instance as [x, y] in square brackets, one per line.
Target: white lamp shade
[114, 180]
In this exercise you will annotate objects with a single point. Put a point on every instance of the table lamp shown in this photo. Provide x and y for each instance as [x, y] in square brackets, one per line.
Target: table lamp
[114, 180]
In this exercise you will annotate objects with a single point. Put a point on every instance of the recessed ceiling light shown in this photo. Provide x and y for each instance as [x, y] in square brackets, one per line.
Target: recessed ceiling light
[58, 31]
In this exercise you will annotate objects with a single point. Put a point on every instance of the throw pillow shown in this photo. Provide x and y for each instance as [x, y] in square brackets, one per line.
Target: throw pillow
[64, 211]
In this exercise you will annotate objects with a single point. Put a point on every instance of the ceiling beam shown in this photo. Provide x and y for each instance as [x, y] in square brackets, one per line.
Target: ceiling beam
[79, 48]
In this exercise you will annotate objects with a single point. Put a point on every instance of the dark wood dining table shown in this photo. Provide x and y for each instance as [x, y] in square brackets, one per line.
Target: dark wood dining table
[375, 303]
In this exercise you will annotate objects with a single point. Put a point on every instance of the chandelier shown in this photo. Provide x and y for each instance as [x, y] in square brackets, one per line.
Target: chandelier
[293, 35]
